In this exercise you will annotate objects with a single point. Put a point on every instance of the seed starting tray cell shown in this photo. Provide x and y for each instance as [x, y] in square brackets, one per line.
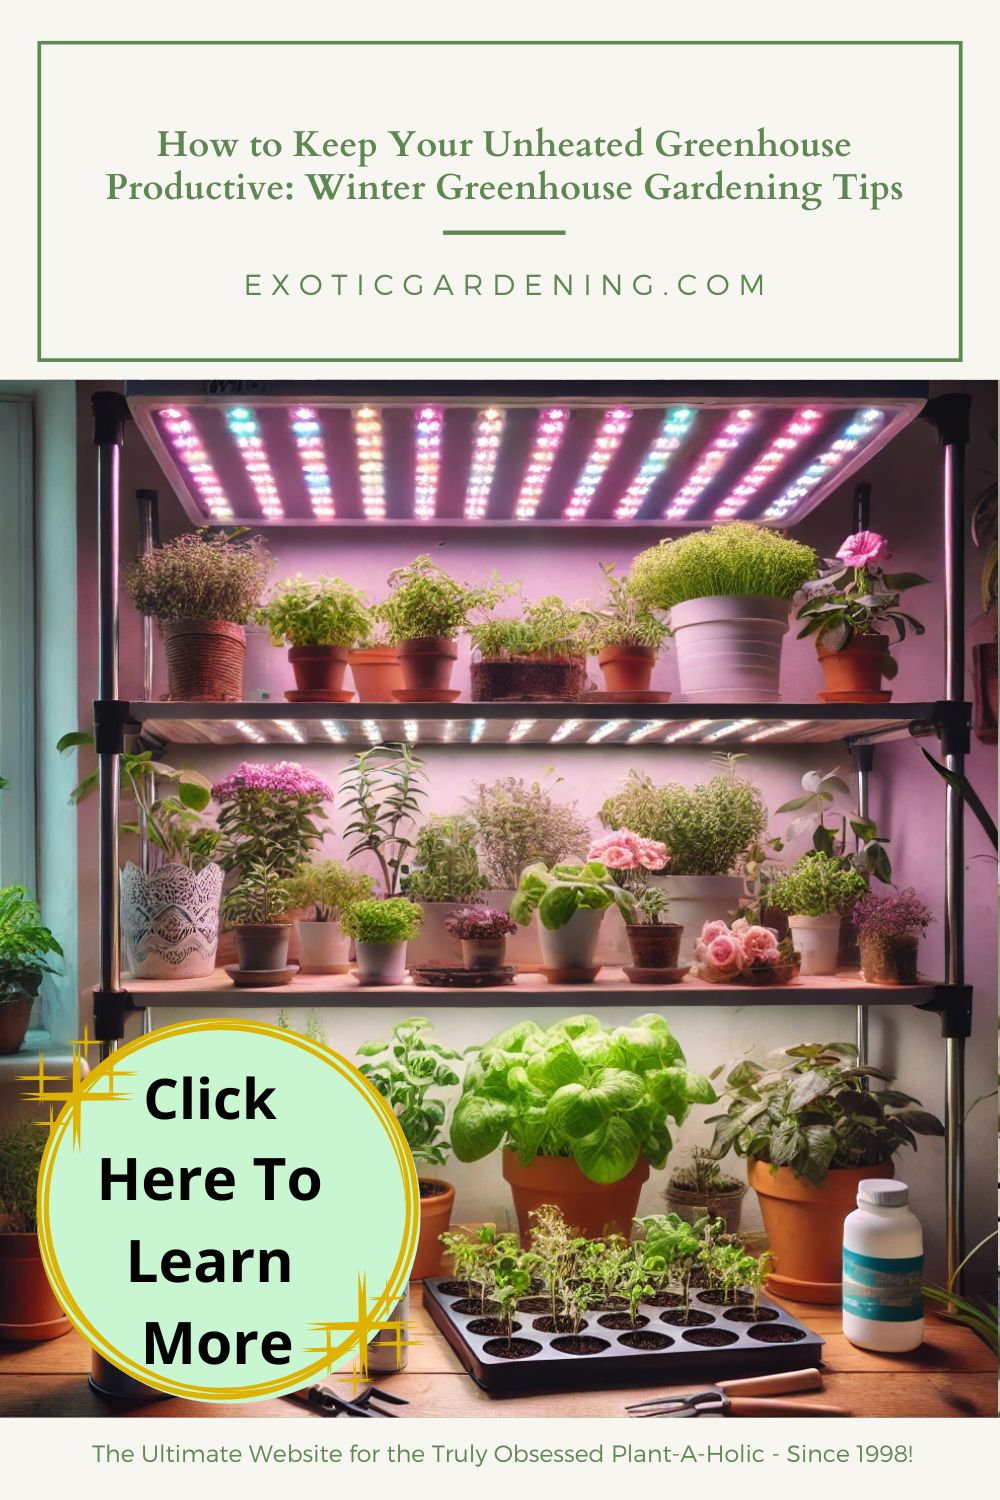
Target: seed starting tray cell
[718, 1343]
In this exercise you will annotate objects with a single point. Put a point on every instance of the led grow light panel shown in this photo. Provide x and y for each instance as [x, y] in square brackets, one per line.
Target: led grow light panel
[325, 458]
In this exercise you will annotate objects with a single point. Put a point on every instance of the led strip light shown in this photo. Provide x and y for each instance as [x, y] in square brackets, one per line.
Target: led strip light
[485, 451]
[519, 729]
[642, 732]
[711, 461]
[371, 470]
[548, 435]
[783, 728]
[861, 425]
[564, 730]
[673, 430]
[291, 729]
[476, 729]
[250, 731]
[695, 727]
[246, 433]
[429, 423]
[332, 730]
[371, 731]
[309, 443]
[801, 426]
[411, 729]
[603, 730]
[189, 451]
[605, 446]
[734, 727]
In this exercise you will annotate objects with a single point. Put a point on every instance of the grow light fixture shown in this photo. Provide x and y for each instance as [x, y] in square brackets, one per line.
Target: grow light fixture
[307, 433]
[189, 450]
[783, 728]
[564, 730]
[605, 446]
[610, 726]
[245, 430]
[448, 730]
[862, 426]
[686, 730]
[489, 428]
[519, 729]
[548, 435]
[712, 460]
[249, 731]
[429, 424]
[411, 729]
[736, 726]
[371, 731]
[674, 429]
[371, 469]
[802, 425]
[332, 731]
[291, 729]
[641, 733]
[477, 728]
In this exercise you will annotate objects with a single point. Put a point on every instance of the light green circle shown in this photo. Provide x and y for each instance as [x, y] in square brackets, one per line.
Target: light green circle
[349, 1248]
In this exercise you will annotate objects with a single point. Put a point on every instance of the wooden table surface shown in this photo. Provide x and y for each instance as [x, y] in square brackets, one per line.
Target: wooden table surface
[953, 1374]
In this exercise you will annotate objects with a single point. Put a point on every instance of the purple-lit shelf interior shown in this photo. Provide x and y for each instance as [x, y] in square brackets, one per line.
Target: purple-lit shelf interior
[273, 460]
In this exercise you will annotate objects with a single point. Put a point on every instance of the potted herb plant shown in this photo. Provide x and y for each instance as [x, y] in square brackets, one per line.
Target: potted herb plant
[319, 622]
[29, 1311]
[710, 830]
[889, 929]
[538, 657]
[405, 1071]
[26, 946]
[702, 1188]
[327, 887]
[814, 894]
[811, 1127]
[571, 901]
[727, 593]
[381, 931]
[202, 587]
[626, 637]
[744, 953]
[257, 909]
[444, 877]
[849, 610]
[653, 942]
[375, 666]
[424, 615]
[581, 1113]
[483, 934]
[381, 790]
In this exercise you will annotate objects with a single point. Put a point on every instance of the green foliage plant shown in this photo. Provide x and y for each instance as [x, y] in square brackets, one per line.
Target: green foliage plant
[258, 899]
[708, 828]
[677, 1244]
[812, 1108]
[393, 920]
[558, 894]
[20, 1162]
[427, 602]
[326, 612]
[521, 823]
[406, 1069]
[846, 602]
[820, 790]
[26, 945]
[203, 575]
[445, 863]
[547, 631]
[817, 886]
[381, 790]
[328, 887]
[737, 558]
[622, 620]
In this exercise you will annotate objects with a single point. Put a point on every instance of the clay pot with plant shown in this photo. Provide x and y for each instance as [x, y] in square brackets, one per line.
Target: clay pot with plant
[626, 636]
[812, 1126]
[26, 946]
[815, 894]
[849, 609]
[202, 588]
[889, 930]
[539, 656]
[726, 594]
[375, 664]
[570, 901]
[703, 1188]
[423, 616]
[483, 934]
[319, 622]
[444, 876]
[580, 1113]
[327, 888]
[29, 1312]
[257, 910]
[381, 931]
[654, 943]
[406, 1070]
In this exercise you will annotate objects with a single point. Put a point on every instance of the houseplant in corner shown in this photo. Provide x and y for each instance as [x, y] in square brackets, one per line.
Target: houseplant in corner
[483, 934]
[539, 656]
[626, 637]
[444, 877]
[811, 1128]
[889, 930]
[814, 894]
[405, 1071]
[849, 609]
[26, 946]
[727, 593]
[424, 615]
[29, 1311]
[328, 887]
[319, 622]
[381, 931]
[257, 909]
[581, 1113]
[202, 587]
[570, 901]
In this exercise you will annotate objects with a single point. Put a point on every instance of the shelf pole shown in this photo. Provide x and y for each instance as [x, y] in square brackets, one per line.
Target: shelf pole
[864, 760]
[147, 502]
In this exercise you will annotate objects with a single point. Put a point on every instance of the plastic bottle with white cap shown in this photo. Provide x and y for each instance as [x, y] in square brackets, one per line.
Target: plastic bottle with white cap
[883, 1269]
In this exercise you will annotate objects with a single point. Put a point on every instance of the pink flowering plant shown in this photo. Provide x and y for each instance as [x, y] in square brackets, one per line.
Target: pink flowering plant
[631, 859]
[892, 918]
[726, 953]
[854, 596]
[270, 814]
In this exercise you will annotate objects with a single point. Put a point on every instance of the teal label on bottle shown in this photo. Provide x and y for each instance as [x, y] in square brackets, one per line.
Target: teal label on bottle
[887, 1290]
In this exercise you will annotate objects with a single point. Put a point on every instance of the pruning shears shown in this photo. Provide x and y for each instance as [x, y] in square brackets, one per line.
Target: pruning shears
[744, 1398]
[325, 1400]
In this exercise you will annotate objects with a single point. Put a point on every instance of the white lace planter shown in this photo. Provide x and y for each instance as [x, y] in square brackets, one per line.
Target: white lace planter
[170, 921]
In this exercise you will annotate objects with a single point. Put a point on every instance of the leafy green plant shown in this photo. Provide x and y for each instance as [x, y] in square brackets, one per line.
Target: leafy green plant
[677, 1245]
[427, 601]
[26, 945]
[520, 823]
[708, 828]
[549, 630]
[408, 1067]
[737, 558]
[578, 1089]
[445, 864]
[20, 1162]
[203, 575]
[559, 893]
[328, 886]
[381, 790]
[812, 1109]
[963, 786]
[393, 920]
[327, 612]
[622, 620]
[820, 791]
[270, 814]
[974, 1313]
[259, 898]
[817, 885]
[853, 596]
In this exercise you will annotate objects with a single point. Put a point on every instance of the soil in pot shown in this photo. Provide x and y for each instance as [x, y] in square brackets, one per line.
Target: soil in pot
[472, 1307]
[622, 1320]
[204, 660]
[377, 673]
[580, 1343]
[534, 1304]
[592, 1208]
[654, 946]
[263, 946]
[665, 1299]
[427, 663]
[319, 669]
[645, 1339]
[726, 1299]
[711, 1338]
[691, 1318]
[527, 679]
[627, 669]
[855, 674]
[769, 1333]
[890, 963]
[14, 1018]
[747, 1315]
[511, 1348]
[491, 1327]
[436, 1201]
[549, 1324]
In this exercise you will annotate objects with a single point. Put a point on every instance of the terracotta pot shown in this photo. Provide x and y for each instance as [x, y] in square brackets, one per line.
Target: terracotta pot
[263, 945]
[435, 1216]
[892, 962]
[427, 663]
[319, 669]
[627, 669]
[856, 669]
[655, 946]
[29, 1311]
[528, 679]
[14, 1018]
[204, 660]
[692, 1206]
[592, 1208]
[377, 673]
[805, 1226]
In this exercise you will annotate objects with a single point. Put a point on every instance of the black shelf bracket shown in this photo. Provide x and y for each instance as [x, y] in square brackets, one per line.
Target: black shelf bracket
[111, 1007]
[951, 721]
[952, 1003]
[111, 412]
[111, 716]
[948, 414]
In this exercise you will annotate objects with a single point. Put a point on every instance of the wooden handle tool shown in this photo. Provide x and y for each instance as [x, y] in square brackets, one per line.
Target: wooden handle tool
[773, 1385]
[754, 1406]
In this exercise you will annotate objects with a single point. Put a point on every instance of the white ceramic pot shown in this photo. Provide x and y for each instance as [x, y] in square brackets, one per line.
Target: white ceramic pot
[695, 900]
[574, 945]
[817, 939]
[381, 963]
[170, 921]
[434, 944]
[323, 948]
[386, 1352]
[523, 948]
[729, 648]
[612, 942]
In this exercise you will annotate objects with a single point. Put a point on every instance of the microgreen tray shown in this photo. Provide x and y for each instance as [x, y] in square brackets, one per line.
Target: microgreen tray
[716, 1343]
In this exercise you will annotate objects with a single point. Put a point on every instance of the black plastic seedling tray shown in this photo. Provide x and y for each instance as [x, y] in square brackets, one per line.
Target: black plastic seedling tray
[717, 1344]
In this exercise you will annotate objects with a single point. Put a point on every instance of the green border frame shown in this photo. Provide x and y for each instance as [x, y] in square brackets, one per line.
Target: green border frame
[484, 358]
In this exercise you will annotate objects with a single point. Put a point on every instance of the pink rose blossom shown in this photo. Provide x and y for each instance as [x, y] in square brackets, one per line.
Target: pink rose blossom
[615, 857]
[759, 942]
[864, 548]
[713, 930]
[724, 951]
[652, 855]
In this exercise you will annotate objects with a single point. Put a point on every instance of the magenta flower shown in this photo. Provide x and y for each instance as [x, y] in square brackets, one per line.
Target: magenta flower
[863, 549]
[286, 779]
